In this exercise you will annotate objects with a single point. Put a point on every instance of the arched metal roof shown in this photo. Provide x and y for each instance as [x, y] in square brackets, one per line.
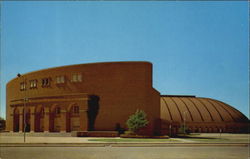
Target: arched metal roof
[196, 109]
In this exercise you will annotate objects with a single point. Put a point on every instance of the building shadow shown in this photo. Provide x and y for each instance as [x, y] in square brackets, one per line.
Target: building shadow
[93, 109]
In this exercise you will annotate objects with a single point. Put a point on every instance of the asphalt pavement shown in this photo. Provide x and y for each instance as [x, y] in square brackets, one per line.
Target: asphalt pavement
[124, 152]
[63, 146]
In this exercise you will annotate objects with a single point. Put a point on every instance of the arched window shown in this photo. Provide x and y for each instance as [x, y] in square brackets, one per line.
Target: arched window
[42, 112]
[76, 109]
[58, 110]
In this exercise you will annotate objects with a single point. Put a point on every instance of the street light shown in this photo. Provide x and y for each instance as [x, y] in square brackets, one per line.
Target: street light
[24, 106]
[220, 132]
[184, 125]
[170, 128]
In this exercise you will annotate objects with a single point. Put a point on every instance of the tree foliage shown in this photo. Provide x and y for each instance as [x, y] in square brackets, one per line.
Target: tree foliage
[137, 121]
[183, 130]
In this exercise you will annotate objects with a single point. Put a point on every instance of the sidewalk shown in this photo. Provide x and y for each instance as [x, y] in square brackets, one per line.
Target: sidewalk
[58, 140]
[20, 139]
[124, 145]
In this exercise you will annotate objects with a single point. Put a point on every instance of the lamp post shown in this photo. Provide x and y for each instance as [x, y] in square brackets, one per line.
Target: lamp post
[170, 127]
[184, 125]
[24, 106]
[220, 132]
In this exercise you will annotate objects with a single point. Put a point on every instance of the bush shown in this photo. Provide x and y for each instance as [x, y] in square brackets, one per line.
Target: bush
[182, 131]
[137, 121]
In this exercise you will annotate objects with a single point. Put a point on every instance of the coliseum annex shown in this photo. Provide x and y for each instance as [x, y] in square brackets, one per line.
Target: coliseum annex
[100, 96]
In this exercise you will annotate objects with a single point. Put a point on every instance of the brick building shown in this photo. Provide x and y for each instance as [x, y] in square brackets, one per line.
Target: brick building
[100, 96]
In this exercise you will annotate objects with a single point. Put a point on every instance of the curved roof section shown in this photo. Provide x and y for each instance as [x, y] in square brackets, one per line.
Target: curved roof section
[196, 109]
[85, 64]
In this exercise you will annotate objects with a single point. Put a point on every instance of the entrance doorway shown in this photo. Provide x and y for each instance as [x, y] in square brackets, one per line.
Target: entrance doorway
[27, 120]
[16, 120]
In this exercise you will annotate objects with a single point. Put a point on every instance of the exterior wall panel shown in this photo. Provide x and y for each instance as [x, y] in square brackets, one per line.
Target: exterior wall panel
[107, 94]
[122, 88]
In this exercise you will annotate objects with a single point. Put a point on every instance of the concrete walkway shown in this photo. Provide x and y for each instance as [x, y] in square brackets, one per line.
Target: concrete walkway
[60, 139]
[20, 139]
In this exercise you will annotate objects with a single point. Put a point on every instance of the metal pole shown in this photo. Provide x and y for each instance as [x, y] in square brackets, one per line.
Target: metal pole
[24, 135]
[170, 130]
[184, 125]
[24, 106]
[220, 132]
[184, 122]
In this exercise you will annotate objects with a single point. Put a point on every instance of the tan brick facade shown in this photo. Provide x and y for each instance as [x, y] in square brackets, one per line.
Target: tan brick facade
[102, 94]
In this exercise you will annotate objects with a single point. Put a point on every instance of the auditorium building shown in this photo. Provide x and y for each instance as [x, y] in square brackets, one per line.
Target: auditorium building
[101, 96]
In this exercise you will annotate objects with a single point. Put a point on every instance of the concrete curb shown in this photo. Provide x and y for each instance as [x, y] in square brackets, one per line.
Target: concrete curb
[124, 144]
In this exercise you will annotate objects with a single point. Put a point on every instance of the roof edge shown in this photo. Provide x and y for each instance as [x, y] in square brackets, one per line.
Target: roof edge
[93, 63]
[192, 96]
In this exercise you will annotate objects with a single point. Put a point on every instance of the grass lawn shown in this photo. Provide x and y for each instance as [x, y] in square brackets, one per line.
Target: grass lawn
[209, 140]
[193, 138]
[132, 140]
[224, 138]
[217, 140]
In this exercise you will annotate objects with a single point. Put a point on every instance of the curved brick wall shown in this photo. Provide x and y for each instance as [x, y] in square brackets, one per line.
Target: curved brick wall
[101, 96]
[121, 88]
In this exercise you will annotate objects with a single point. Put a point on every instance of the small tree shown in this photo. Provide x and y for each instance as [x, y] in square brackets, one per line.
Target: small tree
[183, 130]
[137, 121]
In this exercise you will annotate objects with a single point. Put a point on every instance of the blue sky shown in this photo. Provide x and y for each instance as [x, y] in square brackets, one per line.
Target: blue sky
[197, 48]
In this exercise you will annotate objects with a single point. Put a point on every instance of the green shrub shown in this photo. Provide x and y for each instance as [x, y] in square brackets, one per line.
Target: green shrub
[182, 131]
[137, 121]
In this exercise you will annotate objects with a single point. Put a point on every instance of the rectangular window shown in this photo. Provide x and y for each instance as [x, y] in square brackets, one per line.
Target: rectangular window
[22, 86]
[79, 78]
[76, 110]
[76, 78]
[33, 84]
[45, 82]
[60, 79]
[58, 110]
